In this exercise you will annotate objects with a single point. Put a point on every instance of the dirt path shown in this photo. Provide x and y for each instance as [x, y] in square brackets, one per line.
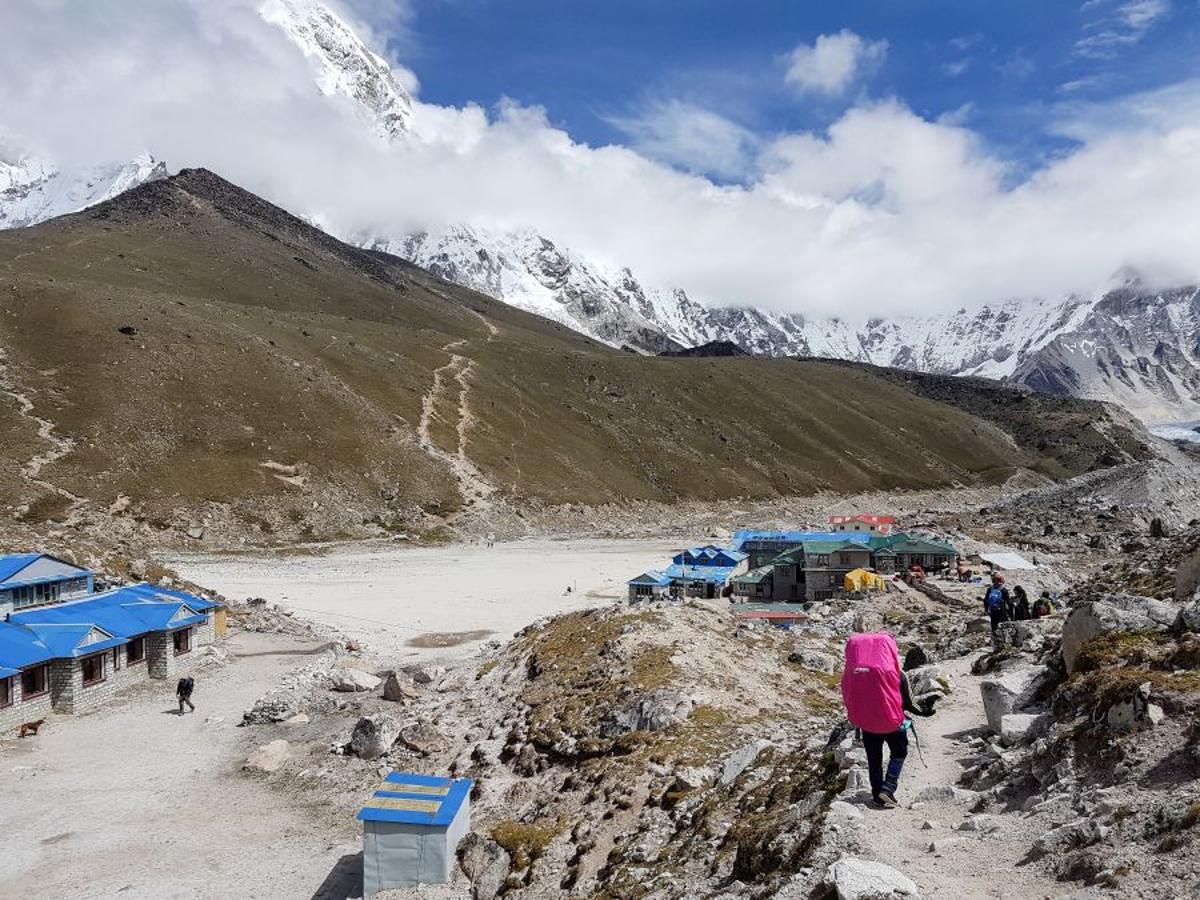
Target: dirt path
[135, 801]
[966, 863]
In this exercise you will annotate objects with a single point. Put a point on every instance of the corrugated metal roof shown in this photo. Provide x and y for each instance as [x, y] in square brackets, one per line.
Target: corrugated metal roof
[749, 534]
[652, 577]
[413, 799]
[755, 576]
[715, 574]
[68, 641]
[20, 647]
[8, 673]
[13, 563]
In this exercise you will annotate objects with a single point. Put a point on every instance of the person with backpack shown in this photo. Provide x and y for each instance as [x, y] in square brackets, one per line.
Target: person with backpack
[1041, 606]
[1021, 610]
[877, 695]
[996, 602]
[183, 691]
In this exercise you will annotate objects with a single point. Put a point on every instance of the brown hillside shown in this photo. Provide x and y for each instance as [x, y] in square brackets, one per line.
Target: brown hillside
[200, 348]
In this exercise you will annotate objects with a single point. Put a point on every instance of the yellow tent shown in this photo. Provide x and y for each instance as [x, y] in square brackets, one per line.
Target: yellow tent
[862, 580]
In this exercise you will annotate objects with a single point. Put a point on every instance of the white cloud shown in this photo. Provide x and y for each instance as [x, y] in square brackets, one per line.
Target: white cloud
[684, 135]
[883, 211]
[955, 68]
[1117, 27]
[831, 64]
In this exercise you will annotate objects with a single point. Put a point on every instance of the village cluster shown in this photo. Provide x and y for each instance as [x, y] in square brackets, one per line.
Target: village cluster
[853, 554]
[67, 646]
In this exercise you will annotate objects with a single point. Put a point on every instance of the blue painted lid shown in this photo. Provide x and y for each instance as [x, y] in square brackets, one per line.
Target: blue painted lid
[412, 799]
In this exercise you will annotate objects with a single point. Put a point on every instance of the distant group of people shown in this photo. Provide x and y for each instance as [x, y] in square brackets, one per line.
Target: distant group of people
[1004, 606]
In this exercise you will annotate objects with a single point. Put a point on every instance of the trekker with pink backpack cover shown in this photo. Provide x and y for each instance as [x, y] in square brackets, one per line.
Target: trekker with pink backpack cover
[876, 694]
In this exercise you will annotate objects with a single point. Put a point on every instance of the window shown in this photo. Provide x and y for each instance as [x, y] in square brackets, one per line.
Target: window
[135, 651]
[92, 668]
[183, 641]
[34, 681]
[5, 692]
[844, 559]
[822, 559]
[116, 658]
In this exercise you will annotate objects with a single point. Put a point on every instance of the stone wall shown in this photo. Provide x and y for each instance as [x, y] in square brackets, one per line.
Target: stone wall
[160, 654]
[22, 710]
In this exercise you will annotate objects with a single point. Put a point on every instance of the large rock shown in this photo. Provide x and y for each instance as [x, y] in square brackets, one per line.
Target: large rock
[813, 659]
[268, 758]
[1014, 727]
[485, 863]
[424, 673]
[1093, 619]
[1135, 711]
[1187, 620]
[374, 735]
[916, 657]
[863, 879]
[353, 680]
[1072, 835]
[399, 688]
[1007, 692]
[740, 760]
[929, 680]
[1028, 636]
[422, 738]
[652, 712]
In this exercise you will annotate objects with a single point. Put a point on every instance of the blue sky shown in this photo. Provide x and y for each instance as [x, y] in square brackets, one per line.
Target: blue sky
[1002, 68]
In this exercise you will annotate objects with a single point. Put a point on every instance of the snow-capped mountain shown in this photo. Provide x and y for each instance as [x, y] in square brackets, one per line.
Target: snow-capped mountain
[1141, 348]
[345, 66]
[33, 190]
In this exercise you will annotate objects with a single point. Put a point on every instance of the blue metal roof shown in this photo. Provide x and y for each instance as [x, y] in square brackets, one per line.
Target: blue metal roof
[8, 673]
[12, 564]
[66, 641]
[749, 534]
[20, 647]
[413, 799]
[652, 577]
[37, 635]
[715, 574]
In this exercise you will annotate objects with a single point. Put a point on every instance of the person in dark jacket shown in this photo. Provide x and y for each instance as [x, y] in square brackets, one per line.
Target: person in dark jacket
[183, 691]
[997, 602]
[1021, 610]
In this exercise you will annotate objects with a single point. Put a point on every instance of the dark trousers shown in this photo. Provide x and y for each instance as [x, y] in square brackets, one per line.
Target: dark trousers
[185, 699]
[998, 617]
[897, 744]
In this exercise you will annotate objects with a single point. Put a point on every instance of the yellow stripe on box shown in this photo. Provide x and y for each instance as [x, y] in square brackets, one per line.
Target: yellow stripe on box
[402, 787]
[405, 804]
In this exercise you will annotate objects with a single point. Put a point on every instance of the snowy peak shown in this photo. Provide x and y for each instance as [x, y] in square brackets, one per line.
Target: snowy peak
[344, 65]
[33, 189]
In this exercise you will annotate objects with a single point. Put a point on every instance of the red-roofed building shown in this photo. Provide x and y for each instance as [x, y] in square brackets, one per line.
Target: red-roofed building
[867, 524]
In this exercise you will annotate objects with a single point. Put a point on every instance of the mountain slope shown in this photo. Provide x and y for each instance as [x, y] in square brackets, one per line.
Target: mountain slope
[188, 350]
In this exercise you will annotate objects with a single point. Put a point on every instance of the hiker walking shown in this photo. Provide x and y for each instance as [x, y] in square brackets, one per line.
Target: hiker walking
[183, 691]
[997, 602]
[1021, 610]
[877, 696]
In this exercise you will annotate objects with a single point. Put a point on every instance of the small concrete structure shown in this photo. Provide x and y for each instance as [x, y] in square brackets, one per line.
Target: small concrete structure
[411, 829]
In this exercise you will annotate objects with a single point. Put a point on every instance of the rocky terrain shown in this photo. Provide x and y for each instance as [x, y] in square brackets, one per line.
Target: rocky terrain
[673, 750]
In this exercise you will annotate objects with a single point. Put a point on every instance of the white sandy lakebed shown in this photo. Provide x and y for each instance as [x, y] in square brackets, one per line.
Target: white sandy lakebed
[390, 596]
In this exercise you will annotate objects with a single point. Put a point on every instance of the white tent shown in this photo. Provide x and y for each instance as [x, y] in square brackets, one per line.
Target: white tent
[999, 559]
[411, 829]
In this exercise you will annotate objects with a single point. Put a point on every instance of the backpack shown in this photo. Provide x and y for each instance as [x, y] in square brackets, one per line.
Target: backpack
[994, 600]
[871, 683]
[185, 686]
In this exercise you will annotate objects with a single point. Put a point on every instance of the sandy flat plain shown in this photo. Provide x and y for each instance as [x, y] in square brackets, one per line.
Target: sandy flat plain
[390, 596]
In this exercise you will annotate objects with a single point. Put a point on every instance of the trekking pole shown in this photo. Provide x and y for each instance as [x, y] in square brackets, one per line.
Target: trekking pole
[917, 740]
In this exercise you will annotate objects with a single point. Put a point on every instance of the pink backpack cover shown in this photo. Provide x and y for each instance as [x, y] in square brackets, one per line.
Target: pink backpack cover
[871, 683]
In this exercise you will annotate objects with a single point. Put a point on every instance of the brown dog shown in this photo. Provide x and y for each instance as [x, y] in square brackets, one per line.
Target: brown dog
[31, 727]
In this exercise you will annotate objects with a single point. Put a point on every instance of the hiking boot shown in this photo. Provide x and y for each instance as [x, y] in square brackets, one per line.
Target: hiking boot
[887, 800]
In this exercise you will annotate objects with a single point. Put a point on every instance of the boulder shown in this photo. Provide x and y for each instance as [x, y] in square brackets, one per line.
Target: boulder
[652, 712]
[1007, 692]
[979, 626]
[271, 708]
[268, 758]
[422, 738]
[485, 863]
[424, 673]
[1014, 726]
[692, 778]
[1187, 620]
[353, 680]
[840, 809]
[1092, 619]
[374, 735]
[740, 760]
[1136, 711]
[864, 879]
[929, 680]
[298, 719]
[1071, 836]
[813, 659]
[1028, 636]
[915, 657]
[399, 689]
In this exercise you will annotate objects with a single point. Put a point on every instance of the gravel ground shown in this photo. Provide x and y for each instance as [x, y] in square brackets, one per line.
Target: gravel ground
[135, 801]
